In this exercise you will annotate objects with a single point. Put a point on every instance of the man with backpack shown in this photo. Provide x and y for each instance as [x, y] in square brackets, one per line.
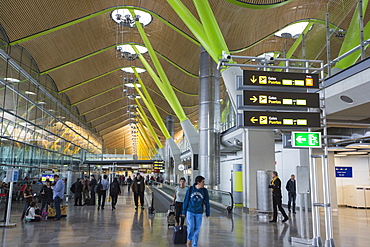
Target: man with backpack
[195, 199]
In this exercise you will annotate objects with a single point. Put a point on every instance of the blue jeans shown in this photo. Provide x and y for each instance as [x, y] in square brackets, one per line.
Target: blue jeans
[26, 205]
[57, 202]
[194, 221]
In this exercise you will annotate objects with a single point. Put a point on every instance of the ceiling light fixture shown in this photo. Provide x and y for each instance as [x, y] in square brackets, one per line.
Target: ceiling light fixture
[353, 153]
[12, 80]
[131, 70]
[29, 93]
[359, 145]
[124, 18]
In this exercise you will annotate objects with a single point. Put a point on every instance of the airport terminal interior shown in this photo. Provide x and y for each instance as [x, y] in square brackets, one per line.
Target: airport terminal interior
[231, 90]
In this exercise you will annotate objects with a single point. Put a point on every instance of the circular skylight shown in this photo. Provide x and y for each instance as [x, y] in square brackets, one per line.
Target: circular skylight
[128, 48]
[124, 18]
[130, 70]
[292, 31]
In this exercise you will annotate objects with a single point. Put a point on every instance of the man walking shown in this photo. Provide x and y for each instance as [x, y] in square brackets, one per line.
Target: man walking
[196, 196]
[86, 193]
[138, 187]
[276, 197]
[58, 195]
[292, 193]
[92, 185]
[103, 192]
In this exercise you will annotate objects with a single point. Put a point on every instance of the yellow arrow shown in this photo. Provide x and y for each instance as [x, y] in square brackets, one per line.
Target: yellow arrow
[254, 120]
[253, 79]
[254, 99]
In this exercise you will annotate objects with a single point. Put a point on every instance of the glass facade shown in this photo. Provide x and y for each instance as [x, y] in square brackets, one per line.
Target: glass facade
[39, 130]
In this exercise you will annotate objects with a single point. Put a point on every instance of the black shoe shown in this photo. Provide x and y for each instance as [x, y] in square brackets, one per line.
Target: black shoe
[98, 207]
[272, 221]
[289, 210]
[75, 205]
[102, 207]
[294, 212]
[285, 219]
[142, 207]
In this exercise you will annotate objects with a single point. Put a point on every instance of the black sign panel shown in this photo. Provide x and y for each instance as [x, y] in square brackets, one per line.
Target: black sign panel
[282, 79]
[265, 98]
[281, 119]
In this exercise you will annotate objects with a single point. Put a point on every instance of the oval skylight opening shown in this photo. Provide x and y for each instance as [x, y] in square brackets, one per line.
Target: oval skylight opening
[128, 48]
[292, 31]
[346, 99]
[130, 70]
[124, 18]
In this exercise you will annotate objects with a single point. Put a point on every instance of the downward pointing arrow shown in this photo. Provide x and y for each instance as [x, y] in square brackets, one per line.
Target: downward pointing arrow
[253, 79]
[254, 99]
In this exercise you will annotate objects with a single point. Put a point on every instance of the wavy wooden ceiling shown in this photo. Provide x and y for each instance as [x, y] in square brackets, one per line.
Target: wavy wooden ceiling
[241, 27]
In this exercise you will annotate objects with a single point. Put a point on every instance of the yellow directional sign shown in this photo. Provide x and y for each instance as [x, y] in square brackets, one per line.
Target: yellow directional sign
[253, 99]
[266, 98]
[254, 120]
[282, 79]
[253, 79]
[282, 119]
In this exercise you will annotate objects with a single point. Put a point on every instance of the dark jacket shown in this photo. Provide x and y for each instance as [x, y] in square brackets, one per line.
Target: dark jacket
[78, 187]
[46, 194]
[194, 201]
[290, 186]
[138, 186]
[114, 189]
[92, 184]
[276, 188]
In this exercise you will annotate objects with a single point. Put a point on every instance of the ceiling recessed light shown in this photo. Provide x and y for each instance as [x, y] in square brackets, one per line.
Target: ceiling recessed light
[353, 153]
[29, 93]
[131, 70]
[337, 149]
[359, 145]
[128, 48]
[131, 85]
[12, 80]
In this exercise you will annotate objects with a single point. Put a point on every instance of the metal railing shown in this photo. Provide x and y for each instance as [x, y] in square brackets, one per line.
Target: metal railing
[218, 198]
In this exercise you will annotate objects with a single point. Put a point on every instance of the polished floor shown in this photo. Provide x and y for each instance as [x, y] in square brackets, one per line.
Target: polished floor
[86, 226]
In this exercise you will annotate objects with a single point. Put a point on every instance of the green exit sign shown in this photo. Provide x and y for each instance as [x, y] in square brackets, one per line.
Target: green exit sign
[306, 139]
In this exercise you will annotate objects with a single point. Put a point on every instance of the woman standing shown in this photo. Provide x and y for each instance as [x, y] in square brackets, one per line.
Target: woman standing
[28, 196]
[46, 196]
[114, 191]
[178, 200]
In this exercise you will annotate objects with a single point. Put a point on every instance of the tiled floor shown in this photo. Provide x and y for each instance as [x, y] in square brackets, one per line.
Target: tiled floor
[86, 226]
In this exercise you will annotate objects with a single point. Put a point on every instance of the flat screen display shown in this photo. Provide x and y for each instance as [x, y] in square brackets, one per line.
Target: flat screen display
[48, 176]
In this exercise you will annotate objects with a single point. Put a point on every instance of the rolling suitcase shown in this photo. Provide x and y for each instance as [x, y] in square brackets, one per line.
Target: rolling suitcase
[180, 234]
[171, 220]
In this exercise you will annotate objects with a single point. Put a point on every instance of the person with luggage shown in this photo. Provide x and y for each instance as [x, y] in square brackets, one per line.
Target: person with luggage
[129, 182]
[193, 207]
[46, 195]
[114, 191]
[138, 187]
[292, 194]
[92, 185]
[77, 189]
[58, 195]
[28, 197]
[103, 186]
[275, 185]
[178, 200]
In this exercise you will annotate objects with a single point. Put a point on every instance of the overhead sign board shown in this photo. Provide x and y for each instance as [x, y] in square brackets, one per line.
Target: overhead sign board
[306, 139]
[281, 119]
[282, 79]
[266, 98]
[343, 172]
